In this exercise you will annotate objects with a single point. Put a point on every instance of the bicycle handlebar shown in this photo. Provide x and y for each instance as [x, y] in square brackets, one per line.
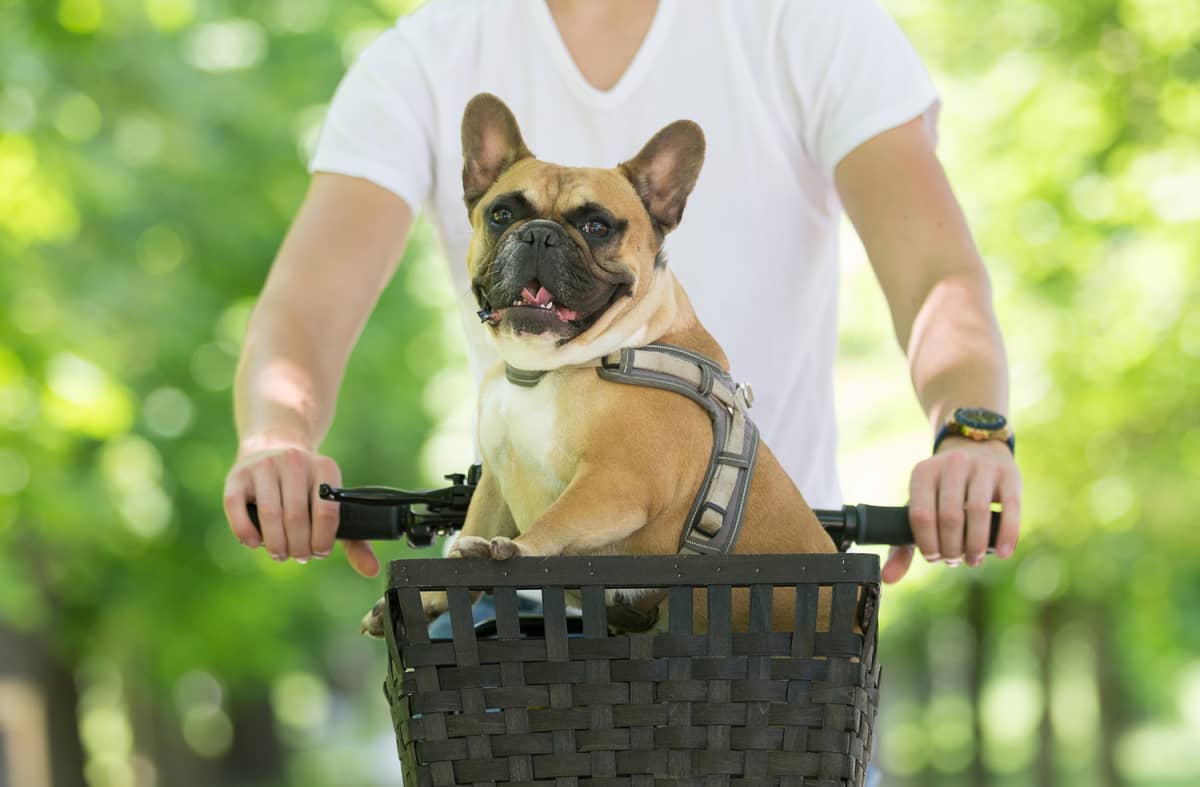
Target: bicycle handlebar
[380, 513]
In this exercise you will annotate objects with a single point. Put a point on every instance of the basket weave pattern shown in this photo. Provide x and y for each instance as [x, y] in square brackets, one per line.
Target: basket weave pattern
[660, 709]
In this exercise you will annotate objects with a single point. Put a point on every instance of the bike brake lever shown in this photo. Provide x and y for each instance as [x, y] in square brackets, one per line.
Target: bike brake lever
[454, 497]
[373, 495]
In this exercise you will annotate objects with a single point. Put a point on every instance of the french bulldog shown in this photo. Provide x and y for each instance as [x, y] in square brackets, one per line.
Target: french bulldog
[567, 266]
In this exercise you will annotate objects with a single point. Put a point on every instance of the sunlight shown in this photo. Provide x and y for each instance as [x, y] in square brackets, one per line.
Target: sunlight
[81, 16]
[170, 15]
[160, 250]
[78, 117]
[302, 704]
[14, 472]
[231, 45]
[81, 397]
[167, 412]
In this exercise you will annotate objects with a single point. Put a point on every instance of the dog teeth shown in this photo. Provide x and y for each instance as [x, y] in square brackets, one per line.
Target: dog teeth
[548, 306]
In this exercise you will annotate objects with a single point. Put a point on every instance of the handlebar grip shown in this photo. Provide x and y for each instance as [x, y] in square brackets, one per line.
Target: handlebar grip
[358, 522]
[889, 525]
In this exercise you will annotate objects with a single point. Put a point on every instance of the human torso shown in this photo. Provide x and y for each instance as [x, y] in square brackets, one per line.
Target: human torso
[756, 250]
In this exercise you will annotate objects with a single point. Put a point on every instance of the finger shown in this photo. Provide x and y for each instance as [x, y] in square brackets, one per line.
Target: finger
[362, 558]
[325, 513]
[899, 559]
[270, 509]
[981, 490]
[951, 497]
[922, 509]
[1010, 517]
[237, 490]
[294, 482]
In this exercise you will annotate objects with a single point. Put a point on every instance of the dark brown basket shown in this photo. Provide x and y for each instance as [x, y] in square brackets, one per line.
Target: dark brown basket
[660, 709]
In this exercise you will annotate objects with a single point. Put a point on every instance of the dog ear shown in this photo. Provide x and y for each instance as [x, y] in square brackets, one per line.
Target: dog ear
[665, 171]
[491, 144]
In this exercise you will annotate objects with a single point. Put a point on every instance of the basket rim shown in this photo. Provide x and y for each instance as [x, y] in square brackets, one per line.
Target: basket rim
[649, 571]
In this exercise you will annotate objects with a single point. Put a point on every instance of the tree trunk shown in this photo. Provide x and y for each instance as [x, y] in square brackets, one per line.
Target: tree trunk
[1113, 707]
[1044, 766]
[977, 597]
[256, 758]
[30, 661]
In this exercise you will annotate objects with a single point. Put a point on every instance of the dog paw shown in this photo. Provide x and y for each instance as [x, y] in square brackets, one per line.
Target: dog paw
[434, 603]
[373, 621]
[505, 548]
[472, 547]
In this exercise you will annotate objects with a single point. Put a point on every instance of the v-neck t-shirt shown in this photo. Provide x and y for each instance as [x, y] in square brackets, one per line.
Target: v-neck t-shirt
[783, 90]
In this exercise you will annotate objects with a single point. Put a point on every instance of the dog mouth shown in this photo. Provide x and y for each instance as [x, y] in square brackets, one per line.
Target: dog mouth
[534, 295]
[536, 310]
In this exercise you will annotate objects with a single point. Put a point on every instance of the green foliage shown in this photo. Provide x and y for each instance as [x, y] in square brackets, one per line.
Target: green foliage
[1072, 134]
[151, 156]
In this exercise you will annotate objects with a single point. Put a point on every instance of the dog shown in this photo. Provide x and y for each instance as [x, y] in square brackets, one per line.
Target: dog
[567, 267]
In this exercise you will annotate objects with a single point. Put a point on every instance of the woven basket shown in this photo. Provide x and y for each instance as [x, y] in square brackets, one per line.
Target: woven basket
[573, 705]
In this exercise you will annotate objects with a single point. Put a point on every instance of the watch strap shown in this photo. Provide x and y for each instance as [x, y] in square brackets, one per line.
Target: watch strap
[953, 428]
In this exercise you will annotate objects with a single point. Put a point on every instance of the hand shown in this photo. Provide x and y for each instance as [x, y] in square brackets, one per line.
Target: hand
[949, 505]
[283, 482]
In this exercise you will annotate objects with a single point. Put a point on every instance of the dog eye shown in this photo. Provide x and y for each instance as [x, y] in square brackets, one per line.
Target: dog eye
[501, 216]
[595, 228]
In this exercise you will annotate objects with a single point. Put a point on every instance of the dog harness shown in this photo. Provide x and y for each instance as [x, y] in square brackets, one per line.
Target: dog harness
[715, 517]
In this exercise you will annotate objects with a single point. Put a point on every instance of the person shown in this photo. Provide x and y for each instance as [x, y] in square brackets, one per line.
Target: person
[807, 107]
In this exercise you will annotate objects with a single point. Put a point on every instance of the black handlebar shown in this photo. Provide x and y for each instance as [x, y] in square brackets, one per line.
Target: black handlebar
[380, 513]
[878, 525]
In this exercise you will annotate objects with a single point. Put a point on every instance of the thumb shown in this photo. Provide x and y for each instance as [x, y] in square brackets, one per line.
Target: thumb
[898, 561]
[362, 558]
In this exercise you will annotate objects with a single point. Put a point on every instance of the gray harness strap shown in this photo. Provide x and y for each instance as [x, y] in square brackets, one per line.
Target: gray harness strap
[715, 518]
[716, 514]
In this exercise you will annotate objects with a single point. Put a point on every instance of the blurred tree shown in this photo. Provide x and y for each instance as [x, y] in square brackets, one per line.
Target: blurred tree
[151, 155]
[1072, 133]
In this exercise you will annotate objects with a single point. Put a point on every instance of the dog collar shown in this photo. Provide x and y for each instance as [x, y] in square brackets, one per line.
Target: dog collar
[526, 378]
[529, 378]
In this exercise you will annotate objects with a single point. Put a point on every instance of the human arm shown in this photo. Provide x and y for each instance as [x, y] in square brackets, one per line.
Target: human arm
[335, 260]
[897, 196]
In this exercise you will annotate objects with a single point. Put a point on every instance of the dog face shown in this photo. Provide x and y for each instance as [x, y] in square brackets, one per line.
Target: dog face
[563, 259]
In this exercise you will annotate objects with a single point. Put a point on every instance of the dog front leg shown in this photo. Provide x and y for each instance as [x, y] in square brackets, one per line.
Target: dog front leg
[592, 514]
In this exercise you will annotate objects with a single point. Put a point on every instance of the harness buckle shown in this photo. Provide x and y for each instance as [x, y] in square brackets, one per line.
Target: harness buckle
[744, 395]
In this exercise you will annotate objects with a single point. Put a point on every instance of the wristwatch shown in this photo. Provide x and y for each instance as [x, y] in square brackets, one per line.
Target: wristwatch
[977, 424]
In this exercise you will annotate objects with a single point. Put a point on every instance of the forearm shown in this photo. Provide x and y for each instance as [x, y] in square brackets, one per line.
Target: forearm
[937, 288]
[286, 387]
[955, 351]
[335, 261]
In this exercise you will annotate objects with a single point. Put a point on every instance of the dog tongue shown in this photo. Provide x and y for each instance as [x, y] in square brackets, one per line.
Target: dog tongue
[539, 298]
[534, 294]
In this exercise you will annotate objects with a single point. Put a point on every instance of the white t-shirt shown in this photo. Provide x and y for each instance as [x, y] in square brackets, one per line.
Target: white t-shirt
[783, 90]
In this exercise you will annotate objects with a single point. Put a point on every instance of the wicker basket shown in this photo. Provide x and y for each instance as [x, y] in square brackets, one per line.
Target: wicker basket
[574, 705]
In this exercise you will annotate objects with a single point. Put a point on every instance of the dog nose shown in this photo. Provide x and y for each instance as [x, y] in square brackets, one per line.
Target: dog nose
[538, 234]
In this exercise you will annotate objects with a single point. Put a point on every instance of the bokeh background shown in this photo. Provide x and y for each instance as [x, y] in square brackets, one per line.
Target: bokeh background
[151, 156]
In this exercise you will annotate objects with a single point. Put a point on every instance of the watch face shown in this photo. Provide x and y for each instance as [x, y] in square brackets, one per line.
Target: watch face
[979, 418]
